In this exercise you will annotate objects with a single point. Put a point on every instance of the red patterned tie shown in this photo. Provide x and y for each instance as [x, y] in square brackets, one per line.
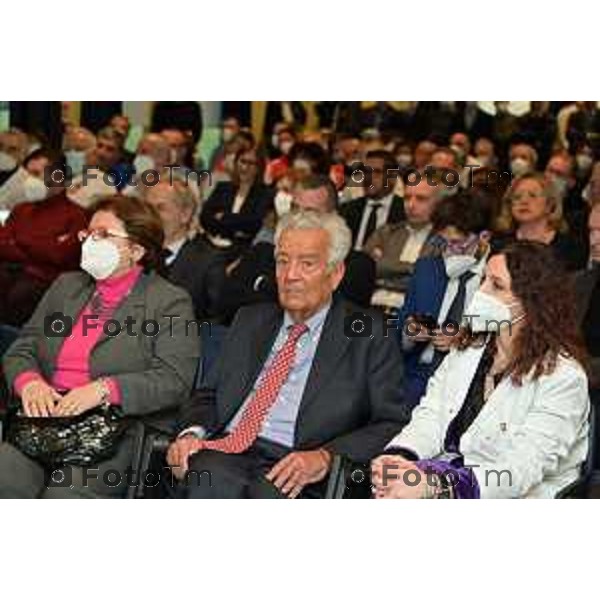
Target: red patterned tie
[246, 431]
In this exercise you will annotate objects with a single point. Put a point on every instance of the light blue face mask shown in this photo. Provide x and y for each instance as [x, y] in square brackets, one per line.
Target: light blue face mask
[75, 160]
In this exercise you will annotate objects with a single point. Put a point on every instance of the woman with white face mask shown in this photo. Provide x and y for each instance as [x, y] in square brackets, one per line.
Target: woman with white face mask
[38, 241]
[113, 339]
[506, 414]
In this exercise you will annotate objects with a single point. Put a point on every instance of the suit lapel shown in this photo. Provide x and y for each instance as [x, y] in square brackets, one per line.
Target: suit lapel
[332, 346]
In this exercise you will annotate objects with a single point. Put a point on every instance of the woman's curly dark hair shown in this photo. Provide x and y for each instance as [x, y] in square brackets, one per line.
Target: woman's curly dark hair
[547, 294]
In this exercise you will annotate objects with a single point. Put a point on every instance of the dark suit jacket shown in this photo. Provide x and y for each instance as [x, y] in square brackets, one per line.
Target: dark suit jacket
[242, 226]
[353, 211]
[585, 284]
[199, 268]
[352, 403]
[153, 373]
[253, 280]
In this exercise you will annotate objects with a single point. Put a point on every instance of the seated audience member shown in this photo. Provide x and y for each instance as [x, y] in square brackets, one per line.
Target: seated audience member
[234, 212]
[189, 261]
[444, 159]
[252, 279]
[105, 172]
[460, 144]
[379, 205]
[395, 247]
[423, 153]
[308, 158]
[13, 149]
[588, 297]
[278, 166]
[153, 154]
[38, 242]
[290, 389]
[440, 289]
[560, 172]
[506, 414]
[79, 145]
[532, 210]
[485, 154]
[226, 151]
[523, 159]
[135, 374]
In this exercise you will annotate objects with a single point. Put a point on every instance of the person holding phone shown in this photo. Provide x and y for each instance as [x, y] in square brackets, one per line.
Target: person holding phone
[439, 290]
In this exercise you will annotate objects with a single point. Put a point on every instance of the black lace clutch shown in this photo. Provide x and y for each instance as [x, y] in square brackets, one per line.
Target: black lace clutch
[84, 440]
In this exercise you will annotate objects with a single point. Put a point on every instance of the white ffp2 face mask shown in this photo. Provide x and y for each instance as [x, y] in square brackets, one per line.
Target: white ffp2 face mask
[458, 264]
[487, 313]
[34, 189]
[100, 258]
[7, 162]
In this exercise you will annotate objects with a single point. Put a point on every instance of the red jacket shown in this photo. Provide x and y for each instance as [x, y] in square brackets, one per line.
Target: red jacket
[42, 237]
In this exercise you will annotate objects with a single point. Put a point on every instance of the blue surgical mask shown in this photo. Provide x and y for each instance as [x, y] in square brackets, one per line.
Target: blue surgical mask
[75, 160]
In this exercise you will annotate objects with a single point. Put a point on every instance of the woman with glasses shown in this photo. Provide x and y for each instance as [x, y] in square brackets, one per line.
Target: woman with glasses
[234, 212]
[113, 336]
[38, 242]
[533, 211]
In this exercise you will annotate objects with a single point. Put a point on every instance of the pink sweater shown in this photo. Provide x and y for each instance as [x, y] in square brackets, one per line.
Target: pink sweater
[72, 363]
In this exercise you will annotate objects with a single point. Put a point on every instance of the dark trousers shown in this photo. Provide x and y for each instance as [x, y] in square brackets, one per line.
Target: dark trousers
[216, 475]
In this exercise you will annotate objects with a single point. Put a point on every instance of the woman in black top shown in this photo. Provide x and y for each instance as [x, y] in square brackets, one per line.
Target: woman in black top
[533, 211]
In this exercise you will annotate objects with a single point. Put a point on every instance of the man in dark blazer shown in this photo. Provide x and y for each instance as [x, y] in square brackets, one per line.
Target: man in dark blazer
[380, 205]
[252, 279]
[190, 261]
[587, 284]
[328, 392]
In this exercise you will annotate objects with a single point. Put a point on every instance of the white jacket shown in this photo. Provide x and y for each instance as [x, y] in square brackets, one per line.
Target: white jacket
[538, 432]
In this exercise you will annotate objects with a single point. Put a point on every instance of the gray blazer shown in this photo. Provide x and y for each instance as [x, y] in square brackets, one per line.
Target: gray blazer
[153, 373]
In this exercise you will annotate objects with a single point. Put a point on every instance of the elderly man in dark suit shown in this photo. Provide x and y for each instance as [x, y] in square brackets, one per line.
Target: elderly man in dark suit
[588, 297]
[293, 386]
[380, 205]
[191, 262]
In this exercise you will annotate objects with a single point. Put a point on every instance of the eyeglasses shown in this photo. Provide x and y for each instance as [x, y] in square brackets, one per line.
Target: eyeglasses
[100, 234]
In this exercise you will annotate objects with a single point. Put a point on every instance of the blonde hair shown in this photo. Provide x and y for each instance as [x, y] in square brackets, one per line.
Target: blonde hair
[506, 223]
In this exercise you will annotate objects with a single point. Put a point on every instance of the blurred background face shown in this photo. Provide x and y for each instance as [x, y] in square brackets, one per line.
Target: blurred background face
[594, 227]
[315, 199]
[523, 152]
[419, 203]
[177, 142]
[231, 127]
[108, 152]
[484, 151]
[13, 145]
[529, 203]
[247, 167]
[459, 142]
[36, 166]
[443, 160]
[558, 167]
[175, 221]
[285, 141]
[120, 123]
[381, 183]
[348, 150]
[423, 153]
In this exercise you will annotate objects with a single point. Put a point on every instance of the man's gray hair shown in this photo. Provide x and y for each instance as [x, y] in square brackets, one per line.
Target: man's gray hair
[340, 237]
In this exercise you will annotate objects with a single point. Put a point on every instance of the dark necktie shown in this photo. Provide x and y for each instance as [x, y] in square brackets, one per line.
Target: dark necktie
[372, 222]
[455, 313]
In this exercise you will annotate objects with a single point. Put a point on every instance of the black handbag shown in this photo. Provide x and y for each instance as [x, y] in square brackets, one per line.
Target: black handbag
[83, 440]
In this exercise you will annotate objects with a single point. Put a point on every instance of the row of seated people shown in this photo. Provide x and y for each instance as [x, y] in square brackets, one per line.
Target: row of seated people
[296, 383]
